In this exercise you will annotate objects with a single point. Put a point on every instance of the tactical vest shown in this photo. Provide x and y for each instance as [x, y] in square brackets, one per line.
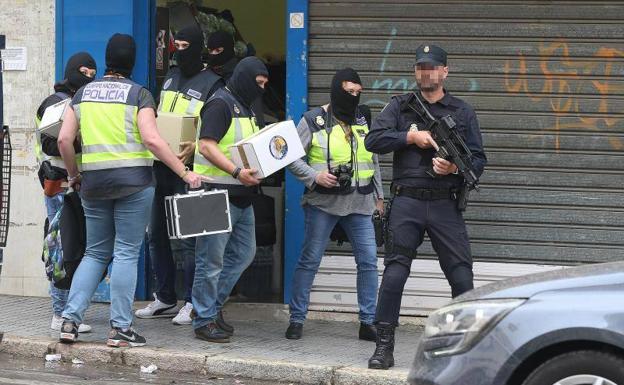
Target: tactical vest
[331, 148]
[242, 126]
[189, 99]
[107, 114]
[412, 162]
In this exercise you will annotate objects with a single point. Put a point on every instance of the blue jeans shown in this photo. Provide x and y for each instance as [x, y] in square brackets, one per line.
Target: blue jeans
[59, 296]
[318, 227]
[161, 247]
[114, 227]
[220, 259]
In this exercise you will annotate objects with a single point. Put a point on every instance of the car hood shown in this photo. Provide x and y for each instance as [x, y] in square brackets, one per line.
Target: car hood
[526, 286]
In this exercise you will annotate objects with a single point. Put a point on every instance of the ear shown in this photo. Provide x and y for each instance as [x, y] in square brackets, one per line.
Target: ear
[445, 72]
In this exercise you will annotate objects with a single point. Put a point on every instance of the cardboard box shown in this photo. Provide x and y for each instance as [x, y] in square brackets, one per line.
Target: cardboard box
[175, 129]
[52, 118]
[270, 149]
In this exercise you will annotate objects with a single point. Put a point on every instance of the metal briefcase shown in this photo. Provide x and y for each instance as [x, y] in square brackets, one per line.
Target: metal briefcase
[198, 213]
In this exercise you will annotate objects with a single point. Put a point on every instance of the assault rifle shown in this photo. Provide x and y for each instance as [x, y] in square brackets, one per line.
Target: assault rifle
[451, 146]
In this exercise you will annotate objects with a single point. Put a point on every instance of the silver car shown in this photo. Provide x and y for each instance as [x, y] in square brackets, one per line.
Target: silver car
[564, 327]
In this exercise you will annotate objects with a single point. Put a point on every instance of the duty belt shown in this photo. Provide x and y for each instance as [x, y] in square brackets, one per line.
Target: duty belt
[424, 194]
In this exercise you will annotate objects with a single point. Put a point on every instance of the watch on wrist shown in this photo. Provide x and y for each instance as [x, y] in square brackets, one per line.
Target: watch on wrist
[236, 172]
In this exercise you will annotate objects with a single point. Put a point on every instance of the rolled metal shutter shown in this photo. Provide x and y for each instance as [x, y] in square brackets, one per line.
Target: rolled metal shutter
[546, 80]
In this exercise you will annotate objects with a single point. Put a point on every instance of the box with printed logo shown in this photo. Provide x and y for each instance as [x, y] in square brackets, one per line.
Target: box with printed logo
[176, 128]
[270, 149]
[52, 118]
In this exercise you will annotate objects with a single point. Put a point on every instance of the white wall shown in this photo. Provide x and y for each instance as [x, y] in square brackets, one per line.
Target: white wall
[27, 24]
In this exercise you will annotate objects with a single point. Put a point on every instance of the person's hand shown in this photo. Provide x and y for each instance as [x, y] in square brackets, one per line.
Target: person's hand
[195, 180]
[246, 177]
[325, 179]
[188, 149]
[74, 182]
[422, 139]
[380, 206]
[443, 167]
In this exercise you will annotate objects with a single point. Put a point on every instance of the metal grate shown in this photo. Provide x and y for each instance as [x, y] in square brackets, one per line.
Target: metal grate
[5, 184]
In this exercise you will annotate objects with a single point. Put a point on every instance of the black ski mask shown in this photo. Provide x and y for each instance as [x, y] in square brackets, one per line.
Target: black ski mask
[120, 54]
[243, 81]
[220, 39]
[189, 59]
[73, 77]
[343, 104]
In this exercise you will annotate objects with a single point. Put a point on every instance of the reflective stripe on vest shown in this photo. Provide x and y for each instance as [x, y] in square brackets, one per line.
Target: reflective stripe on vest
[189, 99]
[107, 116]
[239, 129]
[177, 102]
[39, 154]
[340, 153]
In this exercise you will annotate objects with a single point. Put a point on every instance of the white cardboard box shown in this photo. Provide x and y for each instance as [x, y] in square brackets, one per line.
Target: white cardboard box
[176, 128]
[270, 149]
[52, 118]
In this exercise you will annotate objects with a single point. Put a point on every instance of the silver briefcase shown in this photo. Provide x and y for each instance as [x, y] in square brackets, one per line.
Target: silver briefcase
[198, 213]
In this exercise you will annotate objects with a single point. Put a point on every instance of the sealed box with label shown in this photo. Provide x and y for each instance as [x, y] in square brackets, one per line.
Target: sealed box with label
[270, 149]
[198, 213]
[176, 128]
[52, 118]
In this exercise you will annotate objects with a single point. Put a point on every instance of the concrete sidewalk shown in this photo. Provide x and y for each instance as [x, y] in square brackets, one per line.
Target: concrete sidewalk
[329, 352]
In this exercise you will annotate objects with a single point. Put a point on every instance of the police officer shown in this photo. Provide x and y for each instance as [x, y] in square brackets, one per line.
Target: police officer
[343, 185]
[185, 90]
[117, 123]
[421, 203]
[221, 58]
[220, 259]
[79, 70]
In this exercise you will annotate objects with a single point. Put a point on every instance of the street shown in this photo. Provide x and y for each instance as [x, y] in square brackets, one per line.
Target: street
[27, 371]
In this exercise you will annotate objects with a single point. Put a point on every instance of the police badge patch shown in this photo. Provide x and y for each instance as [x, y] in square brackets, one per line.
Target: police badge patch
[320, 121]
[236, 109]
[193, 93]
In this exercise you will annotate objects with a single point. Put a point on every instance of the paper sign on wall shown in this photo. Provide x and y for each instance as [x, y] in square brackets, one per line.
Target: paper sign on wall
[14, 58]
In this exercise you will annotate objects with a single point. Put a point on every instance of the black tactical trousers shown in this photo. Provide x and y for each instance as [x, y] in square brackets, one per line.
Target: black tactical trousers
[409, 219]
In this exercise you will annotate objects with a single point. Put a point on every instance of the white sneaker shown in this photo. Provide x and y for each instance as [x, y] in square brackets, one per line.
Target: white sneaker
[57, 323]
[184, 315]
[157, 309]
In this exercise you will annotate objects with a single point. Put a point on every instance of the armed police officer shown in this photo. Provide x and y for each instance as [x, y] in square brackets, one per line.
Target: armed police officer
[420, 202]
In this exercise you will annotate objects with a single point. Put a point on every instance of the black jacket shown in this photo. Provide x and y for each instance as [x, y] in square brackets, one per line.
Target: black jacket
[388, 133]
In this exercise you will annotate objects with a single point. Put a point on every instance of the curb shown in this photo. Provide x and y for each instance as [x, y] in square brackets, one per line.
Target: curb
[217, 364]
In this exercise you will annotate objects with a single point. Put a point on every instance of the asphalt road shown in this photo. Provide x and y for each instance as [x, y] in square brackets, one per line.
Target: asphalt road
[27, 371]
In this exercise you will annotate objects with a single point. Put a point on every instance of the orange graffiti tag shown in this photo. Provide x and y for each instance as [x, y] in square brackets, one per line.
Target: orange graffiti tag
[564, 78]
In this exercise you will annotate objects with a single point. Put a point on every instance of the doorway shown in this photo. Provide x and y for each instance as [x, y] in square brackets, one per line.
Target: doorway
[258, 29]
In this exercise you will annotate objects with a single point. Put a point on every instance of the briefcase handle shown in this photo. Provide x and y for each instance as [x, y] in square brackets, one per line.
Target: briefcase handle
[198, 190]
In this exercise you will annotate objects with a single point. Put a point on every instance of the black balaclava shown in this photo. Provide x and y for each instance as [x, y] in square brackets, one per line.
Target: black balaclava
[243, 81]
[216, 40]
[343, 104]
[73, 77]
[189, 60]
[120, 54]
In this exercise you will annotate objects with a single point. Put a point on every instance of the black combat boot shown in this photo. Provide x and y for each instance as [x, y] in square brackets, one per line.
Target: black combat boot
[383, 358]
[367, 332]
